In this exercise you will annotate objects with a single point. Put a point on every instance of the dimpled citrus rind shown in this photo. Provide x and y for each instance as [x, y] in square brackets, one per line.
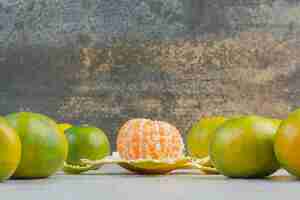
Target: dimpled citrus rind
[86, 142]
[243, 147]
[44, 147]
[287, 143]
[10, 150]
[200, 134]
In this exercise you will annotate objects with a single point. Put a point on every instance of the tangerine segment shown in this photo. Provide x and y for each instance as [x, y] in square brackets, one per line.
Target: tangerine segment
[147, 139]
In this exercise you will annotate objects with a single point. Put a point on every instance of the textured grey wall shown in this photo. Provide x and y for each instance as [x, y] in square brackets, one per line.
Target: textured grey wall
[105, 61]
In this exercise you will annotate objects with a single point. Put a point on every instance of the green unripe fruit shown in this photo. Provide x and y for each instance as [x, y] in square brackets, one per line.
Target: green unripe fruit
[44, 147]
[86, 142]
[287, 143]
[199, 136]
[10, 150]
[243, 147]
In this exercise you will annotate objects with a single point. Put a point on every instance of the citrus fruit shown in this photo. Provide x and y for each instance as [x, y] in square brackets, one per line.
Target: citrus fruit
[287, 143]
[243, 147]
[198, 137]
[64, 126]
[86, 142]
[147, 139]
[10, 150]
[44, 147]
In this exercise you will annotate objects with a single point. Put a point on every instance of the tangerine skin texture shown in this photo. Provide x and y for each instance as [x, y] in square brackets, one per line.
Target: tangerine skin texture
[10, 150]
[200, 134]
[44, 146]
[287, 143]
[147, 139]
[243, 147]
[86, 142]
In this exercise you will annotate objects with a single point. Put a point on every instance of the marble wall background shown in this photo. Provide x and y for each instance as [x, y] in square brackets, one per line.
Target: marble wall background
[104, 61]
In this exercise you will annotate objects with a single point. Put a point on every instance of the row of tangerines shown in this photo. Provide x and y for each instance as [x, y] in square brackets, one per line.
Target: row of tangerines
[33, 145]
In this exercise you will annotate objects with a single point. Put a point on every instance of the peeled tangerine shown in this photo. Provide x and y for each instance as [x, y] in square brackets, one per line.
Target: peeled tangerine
[243, 147]
[287, 143]
[147, 139]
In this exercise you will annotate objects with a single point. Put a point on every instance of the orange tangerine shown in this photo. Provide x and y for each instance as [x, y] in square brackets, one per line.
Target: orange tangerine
[147, 139]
